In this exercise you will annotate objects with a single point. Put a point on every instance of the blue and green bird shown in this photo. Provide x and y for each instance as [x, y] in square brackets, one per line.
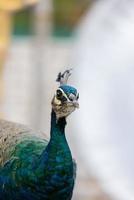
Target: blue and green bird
[33, 168]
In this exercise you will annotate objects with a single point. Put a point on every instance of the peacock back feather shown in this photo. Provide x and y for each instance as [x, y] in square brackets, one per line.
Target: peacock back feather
[13, 134]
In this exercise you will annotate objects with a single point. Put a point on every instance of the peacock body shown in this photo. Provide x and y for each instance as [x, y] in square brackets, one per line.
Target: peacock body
[33, 168]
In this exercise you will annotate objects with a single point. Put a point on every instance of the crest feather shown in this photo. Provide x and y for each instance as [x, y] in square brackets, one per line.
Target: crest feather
[63, 77]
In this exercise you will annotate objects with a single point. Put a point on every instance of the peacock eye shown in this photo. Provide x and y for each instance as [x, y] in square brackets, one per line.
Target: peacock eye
[71, 97]
[59, 94]
[77, 97]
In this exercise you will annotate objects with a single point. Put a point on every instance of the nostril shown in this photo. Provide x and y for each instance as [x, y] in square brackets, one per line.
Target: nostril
[77, 97]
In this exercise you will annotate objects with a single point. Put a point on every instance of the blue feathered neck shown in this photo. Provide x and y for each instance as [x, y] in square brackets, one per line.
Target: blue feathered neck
[57, 148]
[57, 125]
[57, 161]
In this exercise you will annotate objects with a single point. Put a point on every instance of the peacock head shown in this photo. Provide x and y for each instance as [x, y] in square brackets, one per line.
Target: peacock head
[65, 100]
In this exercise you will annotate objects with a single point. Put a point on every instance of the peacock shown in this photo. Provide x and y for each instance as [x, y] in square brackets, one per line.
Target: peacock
[33, 168]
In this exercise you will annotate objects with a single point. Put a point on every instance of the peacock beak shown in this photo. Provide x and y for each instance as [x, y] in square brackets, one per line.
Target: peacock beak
[73, 104]
[76, 104]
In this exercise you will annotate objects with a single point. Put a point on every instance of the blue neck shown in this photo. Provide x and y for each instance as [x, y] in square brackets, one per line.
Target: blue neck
[57, 126]
[55, 166]
[57, 151]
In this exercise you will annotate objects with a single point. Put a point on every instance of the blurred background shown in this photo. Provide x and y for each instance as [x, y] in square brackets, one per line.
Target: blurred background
[38, 39]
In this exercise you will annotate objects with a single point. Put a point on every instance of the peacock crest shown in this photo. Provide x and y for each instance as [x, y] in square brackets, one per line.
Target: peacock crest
[63, 77]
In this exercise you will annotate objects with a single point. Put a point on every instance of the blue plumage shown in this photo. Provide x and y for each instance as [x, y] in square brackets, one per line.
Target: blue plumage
[68, 89]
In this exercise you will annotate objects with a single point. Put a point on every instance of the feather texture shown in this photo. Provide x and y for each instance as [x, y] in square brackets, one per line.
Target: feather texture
[10, 134]
[33, 169]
